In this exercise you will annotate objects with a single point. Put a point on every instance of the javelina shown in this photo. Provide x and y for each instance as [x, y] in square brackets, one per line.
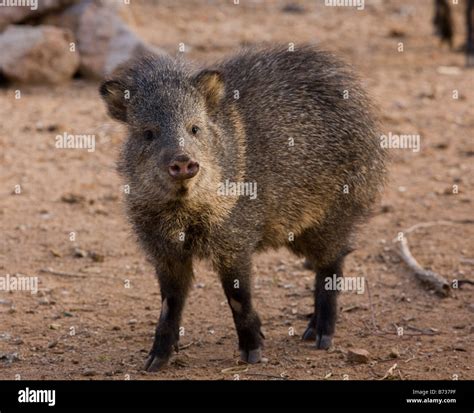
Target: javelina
[294, 124]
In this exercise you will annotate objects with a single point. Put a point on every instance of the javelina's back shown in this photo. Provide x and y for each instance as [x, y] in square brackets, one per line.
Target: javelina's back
[311, 140]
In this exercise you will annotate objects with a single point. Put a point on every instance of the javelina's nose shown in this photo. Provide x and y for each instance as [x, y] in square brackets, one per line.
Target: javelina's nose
[182, 167]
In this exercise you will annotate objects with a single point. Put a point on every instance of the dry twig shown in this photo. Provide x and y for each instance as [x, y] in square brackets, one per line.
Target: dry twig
[267, 375]
[372, 312]
[431, 278]
[434, 280]
[62, 273]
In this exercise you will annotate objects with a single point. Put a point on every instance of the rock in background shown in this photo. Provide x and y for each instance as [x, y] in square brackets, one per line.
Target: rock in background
[37, 54]
[104, 40]
[101, 38]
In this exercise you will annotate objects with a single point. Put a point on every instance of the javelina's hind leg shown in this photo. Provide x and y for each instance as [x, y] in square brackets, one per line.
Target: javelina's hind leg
[175, 279]
[322, 324]
[237, 287]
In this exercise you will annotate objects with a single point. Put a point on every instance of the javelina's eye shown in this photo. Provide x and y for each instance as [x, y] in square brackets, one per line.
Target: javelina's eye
[149, 135]
[195, 129]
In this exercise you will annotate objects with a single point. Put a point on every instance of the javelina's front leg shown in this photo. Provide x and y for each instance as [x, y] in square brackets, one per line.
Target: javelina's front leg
[175, 278]
[237, 288]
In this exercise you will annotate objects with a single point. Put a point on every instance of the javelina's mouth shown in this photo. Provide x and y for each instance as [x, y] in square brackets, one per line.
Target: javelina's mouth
[182, 191]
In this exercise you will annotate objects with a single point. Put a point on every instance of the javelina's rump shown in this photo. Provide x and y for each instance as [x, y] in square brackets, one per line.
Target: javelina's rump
[293, 126]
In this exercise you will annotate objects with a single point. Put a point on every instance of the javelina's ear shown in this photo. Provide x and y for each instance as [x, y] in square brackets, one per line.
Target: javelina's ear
[211, 86]
[115, 96]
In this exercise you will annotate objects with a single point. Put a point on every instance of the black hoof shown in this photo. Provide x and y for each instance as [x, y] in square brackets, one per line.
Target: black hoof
[155, 363]
[309, 334]
[252, 356]
[323, 342]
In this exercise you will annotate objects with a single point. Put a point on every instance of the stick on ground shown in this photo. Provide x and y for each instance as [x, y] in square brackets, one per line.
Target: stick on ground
[430, 278]
[372, 312]
[62, 273]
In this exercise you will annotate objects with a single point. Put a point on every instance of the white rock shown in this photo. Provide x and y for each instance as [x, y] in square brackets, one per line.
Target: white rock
[104, 40]
[39, 54]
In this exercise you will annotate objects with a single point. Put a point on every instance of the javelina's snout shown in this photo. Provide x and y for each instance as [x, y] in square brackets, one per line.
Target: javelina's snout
[183, 167]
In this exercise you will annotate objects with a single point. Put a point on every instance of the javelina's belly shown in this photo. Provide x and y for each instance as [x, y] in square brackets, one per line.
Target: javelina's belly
[292, 216]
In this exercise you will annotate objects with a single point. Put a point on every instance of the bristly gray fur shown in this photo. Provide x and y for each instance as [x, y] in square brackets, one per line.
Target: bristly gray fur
[296, 123]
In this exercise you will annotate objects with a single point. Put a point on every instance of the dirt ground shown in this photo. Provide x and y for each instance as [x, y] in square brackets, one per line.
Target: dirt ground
[99, 322]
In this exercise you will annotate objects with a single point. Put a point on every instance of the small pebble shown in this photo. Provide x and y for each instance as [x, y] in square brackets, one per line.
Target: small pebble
[79, 253]
[96, 257]
[358, 356]
[394, 353]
